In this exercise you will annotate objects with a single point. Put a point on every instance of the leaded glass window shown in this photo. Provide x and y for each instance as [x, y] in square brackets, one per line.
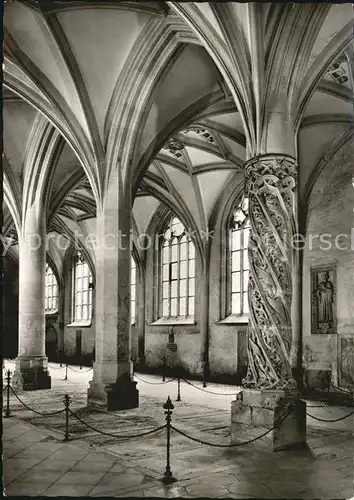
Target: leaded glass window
[177, 272]
[238, 260]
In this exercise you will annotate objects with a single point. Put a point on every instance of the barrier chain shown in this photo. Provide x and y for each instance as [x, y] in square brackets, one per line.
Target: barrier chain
[126, 436]
[168, 477]
[35, 411]
[334, 420]
[342, 390]
[210, 392]
[80, 371]
[279, 421]
[154, 383]
[8, 379]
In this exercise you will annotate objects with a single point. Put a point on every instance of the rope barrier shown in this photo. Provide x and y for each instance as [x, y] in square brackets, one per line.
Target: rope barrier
[334, 420]
[55, 367]
[116, 435]
[80, 371]
[35, 411]
[210, 392]
[154, 383]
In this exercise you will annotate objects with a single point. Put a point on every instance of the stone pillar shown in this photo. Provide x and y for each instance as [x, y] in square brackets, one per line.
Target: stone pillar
[31, 371]
[112, 386]
[271, 184]
[141, 313]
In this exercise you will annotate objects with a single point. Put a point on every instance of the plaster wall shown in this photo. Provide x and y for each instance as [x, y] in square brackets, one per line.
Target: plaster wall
[69, 332]
[228, 341]
[190, 347]
[331, 214]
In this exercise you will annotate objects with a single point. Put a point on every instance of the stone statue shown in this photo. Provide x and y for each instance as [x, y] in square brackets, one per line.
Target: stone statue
[171, 337]
[325, 293]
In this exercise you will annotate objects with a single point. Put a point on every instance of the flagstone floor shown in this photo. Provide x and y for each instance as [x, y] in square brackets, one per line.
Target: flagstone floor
[37, 462]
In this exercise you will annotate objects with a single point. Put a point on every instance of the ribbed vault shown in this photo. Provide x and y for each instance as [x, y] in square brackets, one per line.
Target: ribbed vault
[177, 98]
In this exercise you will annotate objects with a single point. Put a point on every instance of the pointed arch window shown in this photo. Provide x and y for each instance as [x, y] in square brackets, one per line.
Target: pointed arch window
[238, 268]
[177, 272]
[83, 285]
[51, 291]
[133, 310]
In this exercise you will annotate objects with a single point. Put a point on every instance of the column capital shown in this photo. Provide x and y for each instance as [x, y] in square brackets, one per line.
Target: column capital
[280, 167]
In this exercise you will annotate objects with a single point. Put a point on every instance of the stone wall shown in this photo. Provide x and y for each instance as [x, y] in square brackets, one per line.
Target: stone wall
[69, 332]
[190, 346]
[331, 213]
[228, 341]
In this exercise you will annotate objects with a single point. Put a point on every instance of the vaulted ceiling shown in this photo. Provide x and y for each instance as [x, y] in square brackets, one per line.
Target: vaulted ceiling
[178, 94]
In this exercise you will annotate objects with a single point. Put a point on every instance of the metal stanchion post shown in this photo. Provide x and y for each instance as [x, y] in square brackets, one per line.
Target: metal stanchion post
[67, 402]
[66, 372]
[164, 368]
[8, 379]
[204, 376]
[178, 389]
[167, 477]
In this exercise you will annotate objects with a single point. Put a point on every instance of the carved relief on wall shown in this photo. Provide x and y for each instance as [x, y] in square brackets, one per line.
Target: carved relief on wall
[323, 300]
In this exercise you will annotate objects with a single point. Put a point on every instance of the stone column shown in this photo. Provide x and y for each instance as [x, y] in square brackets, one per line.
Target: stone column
[141, 313]
[112, 386]
[31, 370]
[271, 185]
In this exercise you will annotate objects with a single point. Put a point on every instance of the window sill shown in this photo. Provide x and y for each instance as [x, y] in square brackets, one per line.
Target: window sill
[173, 321]
[51, 312]
[234, 320]
[82, 323]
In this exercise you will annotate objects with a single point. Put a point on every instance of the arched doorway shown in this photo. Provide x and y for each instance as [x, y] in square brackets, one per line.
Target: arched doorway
[51, 343]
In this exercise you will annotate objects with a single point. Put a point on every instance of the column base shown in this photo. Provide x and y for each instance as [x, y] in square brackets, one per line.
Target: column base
[31, 374]
[122, 395]
[254, 412]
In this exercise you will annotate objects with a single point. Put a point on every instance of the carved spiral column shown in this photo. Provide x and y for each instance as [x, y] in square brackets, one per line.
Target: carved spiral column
[271, 182]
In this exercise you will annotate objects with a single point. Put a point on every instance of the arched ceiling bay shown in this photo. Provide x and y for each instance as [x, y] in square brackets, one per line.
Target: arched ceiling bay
[140, 74]
[192, 169]
[180, 89]
[328, 122]
[19, 118]
[74, 61]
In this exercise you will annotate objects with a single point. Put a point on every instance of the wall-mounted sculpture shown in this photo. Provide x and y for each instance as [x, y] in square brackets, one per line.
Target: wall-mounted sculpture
[323, 304]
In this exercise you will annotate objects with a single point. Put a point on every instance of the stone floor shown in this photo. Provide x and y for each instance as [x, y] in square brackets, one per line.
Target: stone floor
[37, 462]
